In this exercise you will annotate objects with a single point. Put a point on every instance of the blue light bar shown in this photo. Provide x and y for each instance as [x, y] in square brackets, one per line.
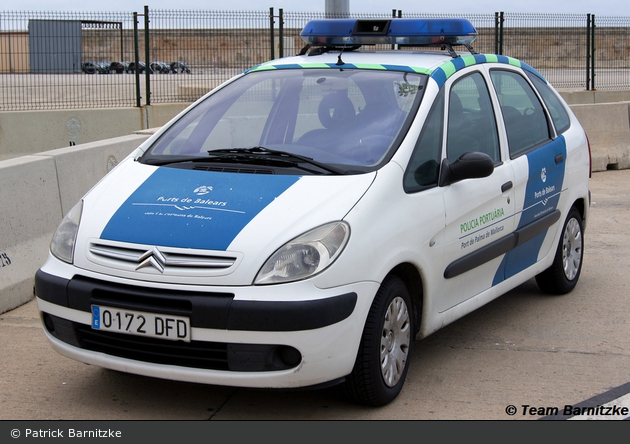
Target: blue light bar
[416, 32]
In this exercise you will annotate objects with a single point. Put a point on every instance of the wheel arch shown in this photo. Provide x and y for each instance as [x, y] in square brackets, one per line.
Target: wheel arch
[412, 278]
[580, 205]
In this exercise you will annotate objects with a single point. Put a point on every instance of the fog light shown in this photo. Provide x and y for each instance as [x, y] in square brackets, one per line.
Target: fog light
[289, 355]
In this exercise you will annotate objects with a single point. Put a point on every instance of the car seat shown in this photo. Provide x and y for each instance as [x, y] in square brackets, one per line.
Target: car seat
[335, 112]
[460, 130]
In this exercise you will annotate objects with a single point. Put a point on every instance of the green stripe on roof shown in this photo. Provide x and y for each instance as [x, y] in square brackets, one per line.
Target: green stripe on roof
[442, 73]
[514, 62]
[449, 68]
[422, 70]
[369, 66]
[314, 65]
[263, 68]
[469, 60]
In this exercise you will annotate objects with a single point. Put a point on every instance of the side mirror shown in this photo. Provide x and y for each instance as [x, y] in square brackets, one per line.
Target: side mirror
[473, 165]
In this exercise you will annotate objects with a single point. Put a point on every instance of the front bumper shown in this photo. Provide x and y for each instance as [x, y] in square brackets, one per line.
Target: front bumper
[237, 338]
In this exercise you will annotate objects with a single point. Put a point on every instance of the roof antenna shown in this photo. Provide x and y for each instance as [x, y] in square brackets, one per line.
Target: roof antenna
[339, 61]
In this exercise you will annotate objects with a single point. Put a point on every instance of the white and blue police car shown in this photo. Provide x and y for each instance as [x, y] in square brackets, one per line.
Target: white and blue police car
[305, 222]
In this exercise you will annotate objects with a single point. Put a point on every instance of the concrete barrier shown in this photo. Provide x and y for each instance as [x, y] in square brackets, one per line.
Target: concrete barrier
[31, 132]
[30, 208]
[607, 126]
[605, 117]
[573, 97]
[80, 167]
[35, 192]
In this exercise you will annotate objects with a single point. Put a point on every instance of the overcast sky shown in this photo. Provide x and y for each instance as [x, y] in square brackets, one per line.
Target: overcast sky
[597, 7]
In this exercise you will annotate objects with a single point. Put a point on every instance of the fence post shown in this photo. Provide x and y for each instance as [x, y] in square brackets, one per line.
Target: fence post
[147, 55]
[593, 49]
[271, 34]
[496, 32]
[393, 16]
[396, 14]
[281, 32]
[501, 20]
[136, 71]
[588, 52]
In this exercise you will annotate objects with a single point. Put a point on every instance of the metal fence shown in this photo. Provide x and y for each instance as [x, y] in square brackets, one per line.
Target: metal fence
[53, 60]
[41, 57]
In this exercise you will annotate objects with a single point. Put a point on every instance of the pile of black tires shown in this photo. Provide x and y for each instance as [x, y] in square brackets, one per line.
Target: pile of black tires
[130, 68]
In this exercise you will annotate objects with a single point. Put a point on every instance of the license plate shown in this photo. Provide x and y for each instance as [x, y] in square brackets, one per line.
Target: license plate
[132, 322]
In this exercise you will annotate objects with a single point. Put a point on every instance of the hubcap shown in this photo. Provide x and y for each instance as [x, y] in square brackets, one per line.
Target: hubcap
[572, 249]
[395, 340]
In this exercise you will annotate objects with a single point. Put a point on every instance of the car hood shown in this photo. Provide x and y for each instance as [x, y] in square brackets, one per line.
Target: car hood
[244, 216]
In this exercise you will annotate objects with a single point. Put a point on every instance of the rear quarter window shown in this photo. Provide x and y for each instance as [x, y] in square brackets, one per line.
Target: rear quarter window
[559, 115]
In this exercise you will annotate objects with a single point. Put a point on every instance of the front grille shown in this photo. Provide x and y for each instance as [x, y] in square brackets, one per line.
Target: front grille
[195, 354]
[163, 259]
[210, 308]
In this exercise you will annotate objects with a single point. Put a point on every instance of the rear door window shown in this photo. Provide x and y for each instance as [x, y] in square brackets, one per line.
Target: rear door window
[524, 116]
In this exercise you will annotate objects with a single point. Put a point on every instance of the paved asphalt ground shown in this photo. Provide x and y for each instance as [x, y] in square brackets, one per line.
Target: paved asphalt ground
[523, 349]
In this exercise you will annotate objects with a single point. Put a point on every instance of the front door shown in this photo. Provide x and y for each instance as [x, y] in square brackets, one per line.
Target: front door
[479, 212]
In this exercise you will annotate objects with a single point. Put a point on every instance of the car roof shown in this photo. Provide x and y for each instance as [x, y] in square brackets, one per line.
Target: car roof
[439, 65]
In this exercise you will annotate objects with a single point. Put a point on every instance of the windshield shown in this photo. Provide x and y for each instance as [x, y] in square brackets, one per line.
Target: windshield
[353, 118]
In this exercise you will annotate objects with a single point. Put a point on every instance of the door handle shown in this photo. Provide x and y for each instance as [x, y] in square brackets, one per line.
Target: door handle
[559, 158]
[506, 186]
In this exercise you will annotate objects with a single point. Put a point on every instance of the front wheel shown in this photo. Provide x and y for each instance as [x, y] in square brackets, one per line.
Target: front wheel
[564, 273]
[383, 357]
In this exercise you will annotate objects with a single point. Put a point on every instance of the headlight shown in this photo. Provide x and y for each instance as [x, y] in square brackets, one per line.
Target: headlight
[306, 255]
[62, 244]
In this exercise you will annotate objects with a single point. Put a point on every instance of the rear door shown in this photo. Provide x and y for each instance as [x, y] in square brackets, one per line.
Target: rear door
[538, 161]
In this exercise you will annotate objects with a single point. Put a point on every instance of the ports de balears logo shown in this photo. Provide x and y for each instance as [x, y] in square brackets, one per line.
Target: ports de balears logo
[202, 190]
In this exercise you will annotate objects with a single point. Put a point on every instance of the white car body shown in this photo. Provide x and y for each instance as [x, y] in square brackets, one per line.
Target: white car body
[456, 246]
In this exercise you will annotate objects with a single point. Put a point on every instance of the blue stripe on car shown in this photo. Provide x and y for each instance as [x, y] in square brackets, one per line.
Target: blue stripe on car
[544, 187]
[193, 209]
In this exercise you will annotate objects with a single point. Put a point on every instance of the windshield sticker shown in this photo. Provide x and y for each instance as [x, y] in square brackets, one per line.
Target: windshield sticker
[405, 88]
[193, 209]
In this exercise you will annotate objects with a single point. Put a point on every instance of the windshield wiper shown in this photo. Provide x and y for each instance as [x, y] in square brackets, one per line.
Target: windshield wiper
[249, 155]
[261, 152]
[167, 160]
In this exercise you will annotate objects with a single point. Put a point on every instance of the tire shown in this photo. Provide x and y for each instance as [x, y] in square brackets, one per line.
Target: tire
[565, 271]
[383, 357]
[89, 68]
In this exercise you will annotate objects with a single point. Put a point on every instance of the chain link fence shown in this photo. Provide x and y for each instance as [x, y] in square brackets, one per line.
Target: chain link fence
[51, 60]
[612, 52]
[56, 60]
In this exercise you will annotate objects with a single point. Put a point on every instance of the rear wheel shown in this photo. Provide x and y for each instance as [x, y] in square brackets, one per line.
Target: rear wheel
[564, 273]
[383, 358]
